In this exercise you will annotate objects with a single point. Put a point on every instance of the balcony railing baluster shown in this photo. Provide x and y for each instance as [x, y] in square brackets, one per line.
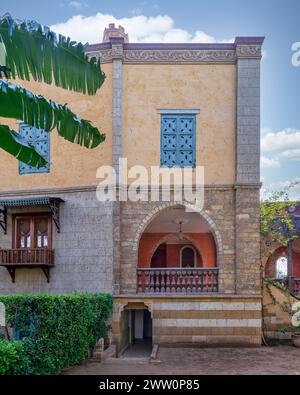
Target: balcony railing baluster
[164, 281]
[27, 257]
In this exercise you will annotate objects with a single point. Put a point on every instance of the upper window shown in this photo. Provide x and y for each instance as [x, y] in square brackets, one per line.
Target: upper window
[40, 140]
[178, 140]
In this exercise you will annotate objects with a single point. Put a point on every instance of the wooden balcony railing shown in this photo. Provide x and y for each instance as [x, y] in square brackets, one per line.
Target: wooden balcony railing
[28, 258]
[178, 281]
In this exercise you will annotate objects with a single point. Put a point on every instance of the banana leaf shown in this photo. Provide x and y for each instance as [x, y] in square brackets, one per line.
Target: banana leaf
[34, 51]
[13, 143]
[37, 111]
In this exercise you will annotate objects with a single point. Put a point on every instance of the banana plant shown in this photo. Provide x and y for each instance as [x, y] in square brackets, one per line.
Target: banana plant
[30, 51]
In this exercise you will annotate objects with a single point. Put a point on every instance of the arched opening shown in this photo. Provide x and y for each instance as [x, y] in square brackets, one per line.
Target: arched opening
[281, 268]
[188, 257]
[277, 265]
[173, 244]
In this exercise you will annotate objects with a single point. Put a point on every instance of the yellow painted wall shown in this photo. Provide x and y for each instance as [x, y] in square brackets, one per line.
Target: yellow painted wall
[71, 164]
[211, 88]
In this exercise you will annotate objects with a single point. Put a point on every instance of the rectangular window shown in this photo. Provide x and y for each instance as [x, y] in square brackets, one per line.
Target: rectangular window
[33, 231]
[178, 140]
[40, 140]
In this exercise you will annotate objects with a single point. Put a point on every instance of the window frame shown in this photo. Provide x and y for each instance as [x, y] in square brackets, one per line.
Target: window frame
[34, 170]
[32, 216]
[195, 256]
[179, 114]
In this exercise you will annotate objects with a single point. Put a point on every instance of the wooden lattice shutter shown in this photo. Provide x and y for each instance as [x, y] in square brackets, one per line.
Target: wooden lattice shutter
[178, 138]
[40, 140]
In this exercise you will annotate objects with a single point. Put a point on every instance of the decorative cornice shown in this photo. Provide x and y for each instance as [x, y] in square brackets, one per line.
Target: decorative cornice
[105, 55]
[179, 56]
[166, 56]
[244, 47]
[249, 51]
[117, 51]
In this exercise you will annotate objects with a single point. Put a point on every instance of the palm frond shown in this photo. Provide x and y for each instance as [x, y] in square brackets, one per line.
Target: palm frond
[13, 143]
[35, 51]
[19, 103]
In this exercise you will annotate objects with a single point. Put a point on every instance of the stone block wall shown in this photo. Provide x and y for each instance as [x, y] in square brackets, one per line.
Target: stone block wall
[234, 221]
[247, 241]
[201, 322]
[83, 250]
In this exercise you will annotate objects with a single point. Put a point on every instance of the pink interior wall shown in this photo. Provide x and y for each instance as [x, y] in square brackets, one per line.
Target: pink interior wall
[203, 243]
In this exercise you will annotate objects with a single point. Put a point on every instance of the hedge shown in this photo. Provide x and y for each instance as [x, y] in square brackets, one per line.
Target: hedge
[13, 360]
[60, 331]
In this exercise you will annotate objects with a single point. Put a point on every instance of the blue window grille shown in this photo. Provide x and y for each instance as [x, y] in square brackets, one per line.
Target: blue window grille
[178, 141]
[40, 140]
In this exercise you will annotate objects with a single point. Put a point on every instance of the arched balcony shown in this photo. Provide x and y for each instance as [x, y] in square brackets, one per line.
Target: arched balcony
[276, 268]
[177, 254]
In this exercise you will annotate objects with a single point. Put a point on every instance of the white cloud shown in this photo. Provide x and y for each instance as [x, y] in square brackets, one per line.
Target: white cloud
[78, 5]
[276, 147]
[267, 163]
[293, 154]
[294, 192]
[141, 29]
[287, 139]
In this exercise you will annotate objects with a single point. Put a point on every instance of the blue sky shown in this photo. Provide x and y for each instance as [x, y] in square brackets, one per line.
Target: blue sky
[198, 20]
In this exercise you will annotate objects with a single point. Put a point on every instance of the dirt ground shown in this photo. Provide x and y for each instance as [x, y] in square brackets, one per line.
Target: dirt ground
[282, 360]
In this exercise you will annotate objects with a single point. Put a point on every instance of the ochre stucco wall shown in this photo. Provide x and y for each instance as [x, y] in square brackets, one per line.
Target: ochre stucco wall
[203, 242]
[71, 164]
[210, 88]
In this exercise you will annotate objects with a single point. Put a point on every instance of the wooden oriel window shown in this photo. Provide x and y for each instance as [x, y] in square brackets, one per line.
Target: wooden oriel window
[32, 231]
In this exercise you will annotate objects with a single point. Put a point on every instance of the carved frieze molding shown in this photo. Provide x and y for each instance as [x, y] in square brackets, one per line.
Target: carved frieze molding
[167, 56]
[179, 56]
[104, 55]
[249, 51]
[162, 56]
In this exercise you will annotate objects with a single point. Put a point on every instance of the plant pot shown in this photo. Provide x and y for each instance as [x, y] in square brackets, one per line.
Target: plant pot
[296, 340]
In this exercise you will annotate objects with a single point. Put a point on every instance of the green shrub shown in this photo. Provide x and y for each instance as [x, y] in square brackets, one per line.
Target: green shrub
[13, 360]
[62, 328]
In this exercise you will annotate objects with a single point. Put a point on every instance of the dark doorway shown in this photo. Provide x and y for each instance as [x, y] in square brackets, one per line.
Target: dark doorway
[140, 335]
[188, 258]
[159, 259]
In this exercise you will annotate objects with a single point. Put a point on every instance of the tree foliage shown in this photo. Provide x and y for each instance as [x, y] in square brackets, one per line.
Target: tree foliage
[28, 51]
